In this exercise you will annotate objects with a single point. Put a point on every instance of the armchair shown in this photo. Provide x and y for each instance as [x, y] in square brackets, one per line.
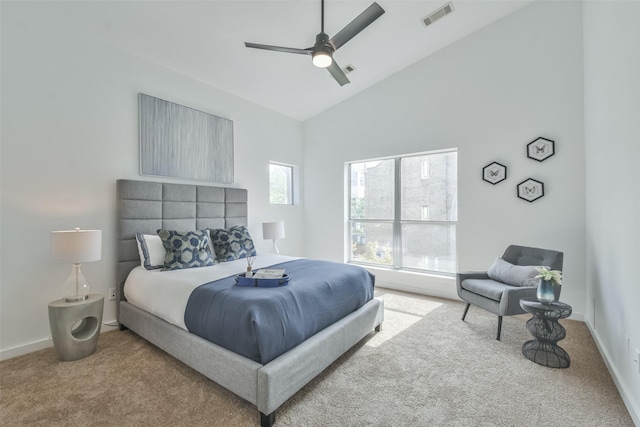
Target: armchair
[503, 299]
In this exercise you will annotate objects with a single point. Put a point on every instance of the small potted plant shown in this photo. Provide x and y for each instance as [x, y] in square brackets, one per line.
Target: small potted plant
[548, 279]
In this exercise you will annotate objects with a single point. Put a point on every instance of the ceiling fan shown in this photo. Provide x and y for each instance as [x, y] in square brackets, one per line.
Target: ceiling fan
[322, 51]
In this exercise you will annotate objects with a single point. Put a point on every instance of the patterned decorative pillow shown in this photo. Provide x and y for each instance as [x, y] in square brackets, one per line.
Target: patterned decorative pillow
[232, 243]
[185, 249]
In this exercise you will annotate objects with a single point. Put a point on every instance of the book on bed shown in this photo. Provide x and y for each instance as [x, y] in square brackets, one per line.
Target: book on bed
[269, 273]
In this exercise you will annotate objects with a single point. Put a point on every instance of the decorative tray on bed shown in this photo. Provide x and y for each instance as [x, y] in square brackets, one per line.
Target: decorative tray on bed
[255, 282]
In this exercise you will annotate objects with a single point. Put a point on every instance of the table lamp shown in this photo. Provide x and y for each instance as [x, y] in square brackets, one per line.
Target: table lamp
[273, 230]
[74, 247]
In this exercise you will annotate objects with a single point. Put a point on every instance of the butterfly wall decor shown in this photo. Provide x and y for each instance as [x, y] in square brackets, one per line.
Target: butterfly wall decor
[540, 149]
[494, 173]
[530, 190]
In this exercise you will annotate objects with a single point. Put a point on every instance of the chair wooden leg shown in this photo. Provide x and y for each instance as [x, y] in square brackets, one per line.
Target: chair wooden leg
[499, 327]
[465, 311]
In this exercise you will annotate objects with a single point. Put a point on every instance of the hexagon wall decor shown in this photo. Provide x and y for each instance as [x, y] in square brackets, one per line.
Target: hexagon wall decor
[540, 149]
[494, 173]
[530, 190]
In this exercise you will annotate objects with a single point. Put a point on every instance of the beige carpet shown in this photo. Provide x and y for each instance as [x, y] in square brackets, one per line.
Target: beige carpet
[426, 368]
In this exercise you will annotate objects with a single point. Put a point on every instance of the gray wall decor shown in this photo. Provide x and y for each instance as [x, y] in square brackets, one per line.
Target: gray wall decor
[181, 142]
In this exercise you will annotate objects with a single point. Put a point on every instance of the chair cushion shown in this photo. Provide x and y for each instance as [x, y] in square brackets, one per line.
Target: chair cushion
[487, 288]
[515, 275]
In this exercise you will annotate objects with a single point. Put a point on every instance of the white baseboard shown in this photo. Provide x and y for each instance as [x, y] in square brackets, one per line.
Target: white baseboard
[627, 398]
[25, 349]
[41, 345]
[418, 290]
[441, 294]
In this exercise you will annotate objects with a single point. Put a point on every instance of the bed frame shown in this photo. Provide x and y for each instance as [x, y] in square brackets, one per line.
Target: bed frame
[145, 206]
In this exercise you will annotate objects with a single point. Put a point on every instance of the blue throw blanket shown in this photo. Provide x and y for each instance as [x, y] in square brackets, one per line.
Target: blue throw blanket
[263, 323]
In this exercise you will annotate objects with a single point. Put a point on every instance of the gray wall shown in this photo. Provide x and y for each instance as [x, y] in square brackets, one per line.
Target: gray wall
[612, 140]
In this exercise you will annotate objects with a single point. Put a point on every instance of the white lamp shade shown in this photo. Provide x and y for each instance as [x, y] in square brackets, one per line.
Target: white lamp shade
[321, 59]
[273, 230]
[76, 246]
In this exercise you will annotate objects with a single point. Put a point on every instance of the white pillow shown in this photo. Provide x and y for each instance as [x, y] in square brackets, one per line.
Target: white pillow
[151, 251]
[515, 275]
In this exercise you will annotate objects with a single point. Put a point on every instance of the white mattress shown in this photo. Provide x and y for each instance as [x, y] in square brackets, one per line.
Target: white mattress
[166, 293]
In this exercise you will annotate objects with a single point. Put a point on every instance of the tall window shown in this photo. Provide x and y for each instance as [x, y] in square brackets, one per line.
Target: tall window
[280, 184]
[403, 211]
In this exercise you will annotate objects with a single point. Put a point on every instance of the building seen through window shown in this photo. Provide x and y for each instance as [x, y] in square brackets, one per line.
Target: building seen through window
[403, 211]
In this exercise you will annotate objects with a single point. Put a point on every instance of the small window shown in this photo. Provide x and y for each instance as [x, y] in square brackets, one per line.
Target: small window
[424, 168]
[280, 184]
[425, 213]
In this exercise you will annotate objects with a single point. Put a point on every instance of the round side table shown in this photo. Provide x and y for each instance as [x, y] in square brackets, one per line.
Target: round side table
[546, 331]
[75, 326]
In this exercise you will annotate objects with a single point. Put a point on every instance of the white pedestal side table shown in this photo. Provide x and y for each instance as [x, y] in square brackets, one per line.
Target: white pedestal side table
[75, 326]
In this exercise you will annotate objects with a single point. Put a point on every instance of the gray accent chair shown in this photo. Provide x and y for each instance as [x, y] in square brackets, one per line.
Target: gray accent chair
[502, 299]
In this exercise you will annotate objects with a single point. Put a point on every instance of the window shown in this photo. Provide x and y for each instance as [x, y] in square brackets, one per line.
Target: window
[425, 213]
[424, 172]
[280, 184]
[398, 218]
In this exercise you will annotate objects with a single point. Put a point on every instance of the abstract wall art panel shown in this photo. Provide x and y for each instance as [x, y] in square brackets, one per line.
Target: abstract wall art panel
[180, 142]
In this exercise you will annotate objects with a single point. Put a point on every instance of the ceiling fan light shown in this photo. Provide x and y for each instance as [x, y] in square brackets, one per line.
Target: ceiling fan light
[321, 59]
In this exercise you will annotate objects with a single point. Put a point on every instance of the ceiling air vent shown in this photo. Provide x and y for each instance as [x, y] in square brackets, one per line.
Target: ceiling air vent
[437, 14]
[349, 68]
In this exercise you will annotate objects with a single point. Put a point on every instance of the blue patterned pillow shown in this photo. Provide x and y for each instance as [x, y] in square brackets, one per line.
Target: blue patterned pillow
[185, 249]
[232, 243]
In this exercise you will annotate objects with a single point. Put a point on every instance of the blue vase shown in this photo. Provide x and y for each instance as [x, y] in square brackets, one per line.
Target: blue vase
[546, 292]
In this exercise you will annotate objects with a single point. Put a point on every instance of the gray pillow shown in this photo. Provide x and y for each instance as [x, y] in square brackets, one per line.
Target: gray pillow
[515, 275]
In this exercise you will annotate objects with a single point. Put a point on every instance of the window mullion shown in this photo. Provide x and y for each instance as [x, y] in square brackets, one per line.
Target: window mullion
[397, 235]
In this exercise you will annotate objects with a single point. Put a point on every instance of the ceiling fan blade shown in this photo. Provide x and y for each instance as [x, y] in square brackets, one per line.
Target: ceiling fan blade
[279, 48]
[361, 22]
[337, 73]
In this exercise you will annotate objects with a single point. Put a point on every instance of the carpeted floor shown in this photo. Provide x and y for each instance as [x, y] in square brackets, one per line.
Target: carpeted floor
[426, 368]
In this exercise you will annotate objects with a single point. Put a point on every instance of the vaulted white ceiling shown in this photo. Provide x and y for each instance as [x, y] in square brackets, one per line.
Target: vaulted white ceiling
[205, 40]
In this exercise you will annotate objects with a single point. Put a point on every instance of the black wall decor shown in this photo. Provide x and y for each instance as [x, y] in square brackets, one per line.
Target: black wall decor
[540, 149]
[494, 173]
[530, 190]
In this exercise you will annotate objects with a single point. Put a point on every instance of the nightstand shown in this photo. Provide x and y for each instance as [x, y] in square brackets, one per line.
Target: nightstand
[75, 326]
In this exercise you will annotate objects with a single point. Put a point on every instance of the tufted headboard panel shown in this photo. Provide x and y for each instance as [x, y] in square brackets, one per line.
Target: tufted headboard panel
[145, 207]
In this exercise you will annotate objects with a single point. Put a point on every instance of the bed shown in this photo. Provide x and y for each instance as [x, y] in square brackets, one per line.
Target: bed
[145, 207]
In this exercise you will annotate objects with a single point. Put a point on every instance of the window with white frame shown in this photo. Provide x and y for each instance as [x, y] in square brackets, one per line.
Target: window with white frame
[280, 184]
[398, 218]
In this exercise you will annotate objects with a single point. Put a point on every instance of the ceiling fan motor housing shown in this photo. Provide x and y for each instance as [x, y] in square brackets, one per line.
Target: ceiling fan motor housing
[322, 55]
[323, 42]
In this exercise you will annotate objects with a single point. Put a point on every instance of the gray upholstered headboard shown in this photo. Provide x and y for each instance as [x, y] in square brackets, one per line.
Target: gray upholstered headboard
[145, 207]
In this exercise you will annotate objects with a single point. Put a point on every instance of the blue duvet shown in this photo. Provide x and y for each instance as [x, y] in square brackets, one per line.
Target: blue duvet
[263, 323]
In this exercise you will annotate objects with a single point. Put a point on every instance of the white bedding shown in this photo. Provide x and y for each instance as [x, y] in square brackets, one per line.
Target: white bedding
[166, 293]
